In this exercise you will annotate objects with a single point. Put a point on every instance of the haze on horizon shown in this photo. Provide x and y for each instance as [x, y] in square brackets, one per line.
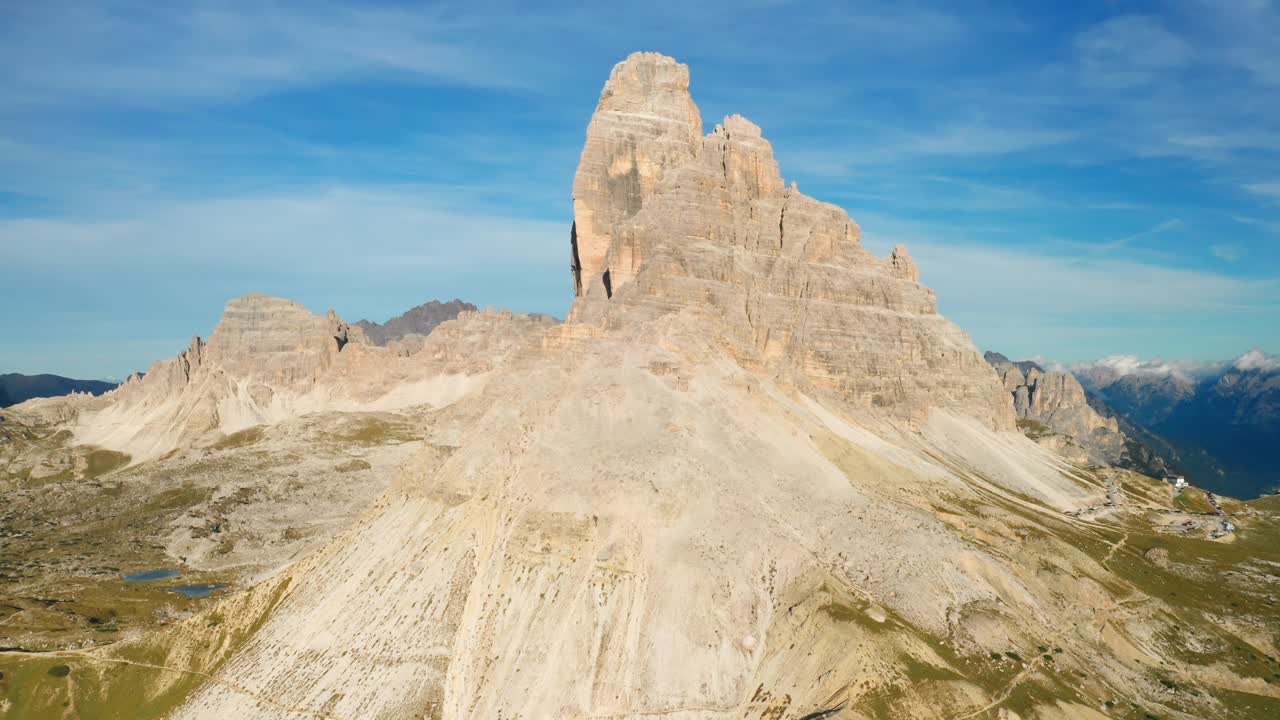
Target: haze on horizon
[1074, 183]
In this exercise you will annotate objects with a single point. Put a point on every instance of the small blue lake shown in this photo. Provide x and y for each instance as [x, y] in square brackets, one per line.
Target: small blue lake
[195, 591]
[149, 575]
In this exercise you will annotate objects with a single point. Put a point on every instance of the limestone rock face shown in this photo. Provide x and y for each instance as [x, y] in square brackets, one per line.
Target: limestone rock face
[277, 341]
[270, 359]
[667, 219]
[1057, 401]
[646, 122]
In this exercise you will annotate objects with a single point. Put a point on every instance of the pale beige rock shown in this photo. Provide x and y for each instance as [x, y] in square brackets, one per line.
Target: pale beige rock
[630, 529]
[1157, 556]
[1056, 400]
[270, 359]
[666, 219]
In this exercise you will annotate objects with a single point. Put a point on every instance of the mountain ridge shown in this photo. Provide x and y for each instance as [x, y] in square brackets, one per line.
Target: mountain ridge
[1223, 419]
[16, 387]
[418, 320]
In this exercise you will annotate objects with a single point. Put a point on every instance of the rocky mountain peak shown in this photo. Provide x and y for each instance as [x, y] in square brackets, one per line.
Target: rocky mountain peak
[278, 340]
[903, 264]
[1054, 410]
[417, 321]
[649, 83]
[667, 219]
[645, 123]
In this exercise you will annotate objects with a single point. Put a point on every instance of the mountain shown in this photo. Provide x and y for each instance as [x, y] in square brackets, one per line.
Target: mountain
[669, 220]
[1056, 411]
[1053, 410]
[16, 388]
[417, 321]
[754, 474]
[1222, 421]
[269, 360]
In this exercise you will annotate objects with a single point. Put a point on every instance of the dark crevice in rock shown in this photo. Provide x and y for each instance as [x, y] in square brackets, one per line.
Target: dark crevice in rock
[782, 217]
[576, 263]
[824, 714]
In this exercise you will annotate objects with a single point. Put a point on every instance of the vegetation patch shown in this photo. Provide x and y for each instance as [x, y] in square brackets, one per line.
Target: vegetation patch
[241, 438]
[1034, 429]
[353, 465]
[137, 680]
[375, 431]
[101, 462]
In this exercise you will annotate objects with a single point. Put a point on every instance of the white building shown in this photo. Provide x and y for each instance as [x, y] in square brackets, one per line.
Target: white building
[1178, 482]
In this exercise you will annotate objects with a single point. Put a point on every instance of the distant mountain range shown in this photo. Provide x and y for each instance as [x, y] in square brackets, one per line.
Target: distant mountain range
[16, 388]
[413, 325]
[1216, 423]
[1220, 422]
[1056, 411]
[420, 320]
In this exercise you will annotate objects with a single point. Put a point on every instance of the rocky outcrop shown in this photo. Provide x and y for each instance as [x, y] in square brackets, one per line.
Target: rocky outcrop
[277, 341]
[262, 345]
[1053, 409]
[667, 219]
[418, 321]
[270, 359]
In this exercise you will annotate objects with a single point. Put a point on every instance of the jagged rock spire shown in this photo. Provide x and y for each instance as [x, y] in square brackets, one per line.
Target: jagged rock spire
[666, 219]
[645, 124]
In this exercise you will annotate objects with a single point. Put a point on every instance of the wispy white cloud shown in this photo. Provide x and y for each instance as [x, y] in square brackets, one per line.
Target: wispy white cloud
[1159, 228]
[888, 150]
[80, 52]
[983, 139]
[1269, 190]
[398, 230]
[1112, 367]
[1257, 360]
[1267, 225]
[1131, 244]
[1227, 253]
[1129, 50]
[1064, 304]
[1065, 287]
[1252, 27]
[939, 193]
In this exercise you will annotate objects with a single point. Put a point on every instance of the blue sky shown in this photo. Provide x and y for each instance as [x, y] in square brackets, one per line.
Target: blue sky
[1075, 179]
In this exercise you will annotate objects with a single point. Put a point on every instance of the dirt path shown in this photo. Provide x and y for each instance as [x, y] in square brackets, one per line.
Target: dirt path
[1114, 547]
[1005, 693]
[6, 620]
